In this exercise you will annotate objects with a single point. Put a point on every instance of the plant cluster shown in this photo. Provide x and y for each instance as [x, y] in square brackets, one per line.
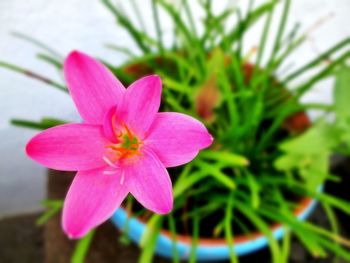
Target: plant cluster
[267, 155]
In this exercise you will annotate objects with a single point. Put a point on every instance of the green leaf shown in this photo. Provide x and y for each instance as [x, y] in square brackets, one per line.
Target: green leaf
[51, 60]
[261, 224]
[342, 94]
[195, 238]
[321, 137]
[309, 154]
[53, 207]
[82, 248]
[251, 19]
[323, 74]
[124, 50]
[38, 44]
[315, 62]
[140, 38]
[225, 157]
[157, 25]
[254, 188]
[286, 245]
[33, 75]
[43, 124]
[172, 228]
[182, 185]
[149, 239]
[215, 172]
[228, 229]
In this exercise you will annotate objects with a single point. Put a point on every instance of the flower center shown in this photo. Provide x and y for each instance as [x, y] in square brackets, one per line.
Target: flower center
[127, 145]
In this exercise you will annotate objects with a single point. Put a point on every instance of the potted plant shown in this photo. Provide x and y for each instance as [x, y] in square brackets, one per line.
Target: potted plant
[265, 171]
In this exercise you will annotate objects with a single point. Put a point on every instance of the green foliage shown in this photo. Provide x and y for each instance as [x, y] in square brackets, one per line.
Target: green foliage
[342, 94]
[342, 109]
[251, 107]
[308, 154]
[33, 75]
[82, 248]
[53, 207]
[43, 124]
[149, 239]
[259, 155]
[228, 229]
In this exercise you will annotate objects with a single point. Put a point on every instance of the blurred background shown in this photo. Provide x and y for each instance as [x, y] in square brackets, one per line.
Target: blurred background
[87, 26]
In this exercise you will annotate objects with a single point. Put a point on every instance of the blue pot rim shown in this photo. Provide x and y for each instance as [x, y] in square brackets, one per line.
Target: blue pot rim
[205, 252]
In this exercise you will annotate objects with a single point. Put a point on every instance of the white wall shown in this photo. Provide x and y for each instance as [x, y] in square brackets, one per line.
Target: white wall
[87, 26]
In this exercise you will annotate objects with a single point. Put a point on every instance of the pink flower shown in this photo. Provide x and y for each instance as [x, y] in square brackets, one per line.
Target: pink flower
[123, 145]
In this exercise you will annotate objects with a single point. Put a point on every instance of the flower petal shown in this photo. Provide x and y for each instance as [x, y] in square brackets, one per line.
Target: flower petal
[177, 138]
[69, 147]
[108, 125]
[92, 86]
[149, 182]
[141, 103]
[92, 198]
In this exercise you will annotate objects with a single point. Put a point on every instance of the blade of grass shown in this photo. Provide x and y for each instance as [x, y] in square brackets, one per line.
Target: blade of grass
[183, 185]
[33, 75]
[254, 16]
[286, 249]
[333, 222]
[157, 26]
[45, 123]
[225, 156]
[137, 35]
[281, 29]
[326, 72]
[324, 56]
[149, 239]
[263, 39]
[228, 229]
[124, 50]
[254, 188]
[50, 60]
[263, 227]
[195, 237]
[213, 171]
[196, 50]
[242, 27]
[82, 248]
[38, 43]
[306, 237]
[172, 227]
[189, 14]
[53, 207]
[139, 16]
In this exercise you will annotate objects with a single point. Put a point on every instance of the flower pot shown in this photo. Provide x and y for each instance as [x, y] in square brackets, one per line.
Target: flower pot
[207, 249]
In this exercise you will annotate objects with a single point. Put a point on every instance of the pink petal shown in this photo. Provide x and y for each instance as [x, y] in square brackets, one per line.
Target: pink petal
[108, 126]
[69, 147]
[177, 138]
[92, 86]
[141, 103]
[149, 182]
[92, 198]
